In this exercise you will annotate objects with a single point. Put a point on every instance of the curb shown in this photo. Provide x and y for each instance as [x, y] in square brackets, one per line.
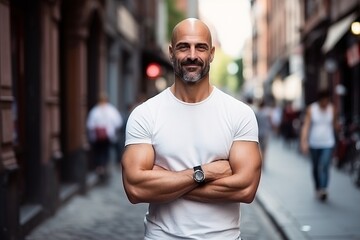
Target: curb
[282, 219]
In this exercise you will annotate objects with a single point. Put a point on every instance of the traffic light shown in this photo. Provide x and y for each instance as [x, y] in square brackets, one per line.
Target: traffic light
[153, 70]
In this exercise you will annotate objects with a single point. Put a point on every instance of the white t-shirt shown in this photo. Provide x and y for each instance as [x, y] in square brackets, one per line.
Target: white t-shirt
[185, 135]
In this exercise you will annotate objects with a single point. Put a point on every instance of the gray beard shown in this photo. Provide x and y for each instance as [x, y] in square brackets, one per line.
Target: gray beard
[192, 78]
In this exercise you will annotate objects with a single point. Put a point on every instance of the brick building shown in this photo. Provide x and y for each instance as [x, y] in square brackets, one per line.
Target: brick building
[55, 58]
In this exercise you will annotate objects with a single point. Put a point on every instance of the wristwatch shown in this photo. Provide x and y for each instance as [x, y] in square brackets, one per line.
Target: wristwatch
[199, 175]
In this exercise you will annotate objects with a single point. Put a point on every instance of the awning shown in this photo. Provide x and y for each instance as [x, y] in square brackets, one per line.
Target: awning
[274, 70]
[336, 31]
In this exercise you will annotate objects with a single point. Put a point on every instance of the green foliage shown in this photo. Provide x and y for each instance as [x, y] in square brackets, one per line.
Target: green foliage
[239, 74]
[174, 16]
[219, 74]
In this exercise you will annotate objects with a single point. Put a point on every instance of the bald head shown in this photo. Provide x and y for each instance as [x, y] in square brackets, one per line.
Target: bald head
[191, 27]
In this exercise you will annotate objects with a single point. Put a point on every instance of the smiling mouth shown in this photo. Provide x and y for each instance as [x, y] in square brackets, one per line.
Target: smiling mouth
[192, 67]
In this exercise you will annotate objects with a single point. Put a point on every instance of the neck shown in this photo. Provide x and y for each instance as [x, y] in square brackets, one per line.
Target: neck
[191, 93]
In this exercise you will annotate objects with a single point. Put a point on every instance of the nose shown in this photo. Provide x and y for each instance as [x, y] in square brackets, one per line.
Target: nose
[192, 53]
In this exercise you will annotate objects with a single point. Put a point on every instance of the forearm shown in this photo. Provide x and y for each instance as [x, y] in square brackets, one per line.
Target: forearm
[230, 189]
[242, 182]
[145, 182]
[161, 185]
[304, 144]
[158, 185]
[304, 136]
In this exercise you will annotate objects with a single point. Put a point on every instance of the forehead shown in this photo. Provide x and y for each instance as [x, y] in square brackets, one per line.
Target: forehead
[191, 32]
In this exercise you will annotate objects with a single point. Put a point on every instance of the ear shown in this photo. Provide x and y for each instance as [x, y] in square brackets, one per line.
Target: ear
[171, 54]
[212, 54]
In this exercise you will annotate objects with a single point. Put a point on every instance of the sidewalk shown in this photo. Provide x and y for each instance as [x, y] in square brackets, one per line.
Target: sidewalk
[105, 213]
[287, 194]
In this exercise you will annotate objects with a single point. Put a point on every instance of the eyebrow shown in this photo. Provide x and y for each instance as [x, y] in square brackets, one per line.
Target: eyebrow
[180, 44]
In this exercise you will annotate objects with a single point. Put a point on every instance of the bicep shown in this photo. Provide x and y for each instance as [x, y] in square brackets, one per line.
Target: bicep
[137, 158]
[245, 160]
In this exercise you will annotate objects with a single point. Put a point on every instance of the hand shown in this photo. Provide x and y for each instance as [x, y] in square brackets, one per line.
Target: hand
[304, 147]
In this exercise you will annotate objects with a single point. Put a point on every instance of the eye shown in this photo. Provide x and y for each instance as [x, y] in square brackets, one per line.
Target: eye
[202, 48]
[182, 47]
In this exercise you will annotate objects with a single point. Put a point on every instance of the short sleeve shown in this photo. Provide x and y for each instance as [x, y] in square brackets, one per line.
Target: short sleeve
[138, 126]
[246, 126]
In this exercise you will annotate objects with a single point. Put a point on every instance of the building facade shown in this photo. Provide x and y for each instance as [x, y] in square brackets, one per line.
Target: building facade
[301, 47]
[55, 58]
[259, 45]
[331, 54]
[276, 50]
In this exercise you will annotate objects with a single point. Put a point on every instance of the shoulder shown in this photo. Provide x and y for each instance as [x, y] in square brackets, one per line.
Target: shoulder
[111, 108]
[150, 106]
[312, 106]
[234, 109]
[231, 101]
[95, 108]
[94, 111]
[158, 98]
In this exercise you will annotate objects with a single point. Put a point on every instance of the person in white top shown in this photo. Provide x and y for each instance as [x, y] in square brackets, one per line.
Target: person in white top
[103, 124]
[191, 151]
[318, 139]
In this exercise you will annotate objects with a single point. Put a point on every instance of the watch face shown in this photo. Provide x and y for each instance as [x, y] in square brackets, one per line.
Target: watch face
[199, 176]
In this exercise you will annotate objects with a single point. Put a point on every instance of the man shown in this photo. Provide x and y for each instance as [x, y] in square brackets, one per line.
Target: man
[192, 151]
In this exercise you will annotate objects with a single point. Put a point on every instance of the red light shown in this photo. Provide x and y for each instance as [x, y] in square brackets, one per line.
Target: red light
[153, 70]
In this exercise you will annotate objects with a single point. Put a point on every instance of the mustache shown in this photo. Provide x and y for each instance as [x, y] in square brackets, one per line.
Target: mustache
[192, 62]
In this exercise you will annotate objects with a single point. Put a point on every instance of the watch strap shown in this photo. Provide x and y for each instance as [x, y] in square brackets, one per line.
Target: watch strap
[198, 168]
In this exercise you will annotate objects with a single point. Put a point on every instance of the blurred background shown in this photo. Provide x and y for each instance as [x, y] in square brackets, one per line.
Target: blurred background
[57, 56]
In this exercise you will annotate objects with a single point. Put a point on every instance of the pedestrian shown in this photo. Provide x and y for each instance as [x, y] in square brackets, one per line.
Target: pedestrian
[103, 124]
[318, 139]
[263, 116]
[192, 151]
[276, 116]
[289, 116]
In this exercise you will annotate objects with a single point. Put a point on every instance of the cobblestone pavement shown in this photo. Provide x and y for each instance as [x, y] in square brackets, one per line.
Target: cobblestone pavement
[105, 214]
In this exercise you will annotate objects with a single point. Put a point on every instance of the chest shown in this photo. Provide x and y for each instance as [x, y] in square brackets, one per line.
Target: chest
[319, 115]
[187, 137]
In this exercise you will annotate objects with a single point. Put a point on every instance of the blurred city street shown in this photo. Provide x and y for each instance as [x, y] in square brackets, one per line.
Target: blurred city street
[58, 57]
[285, 193]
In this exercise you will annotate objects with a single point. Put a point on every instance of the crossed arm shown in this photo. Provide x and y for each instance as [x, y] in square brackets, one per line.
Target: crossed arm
[232, 180]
